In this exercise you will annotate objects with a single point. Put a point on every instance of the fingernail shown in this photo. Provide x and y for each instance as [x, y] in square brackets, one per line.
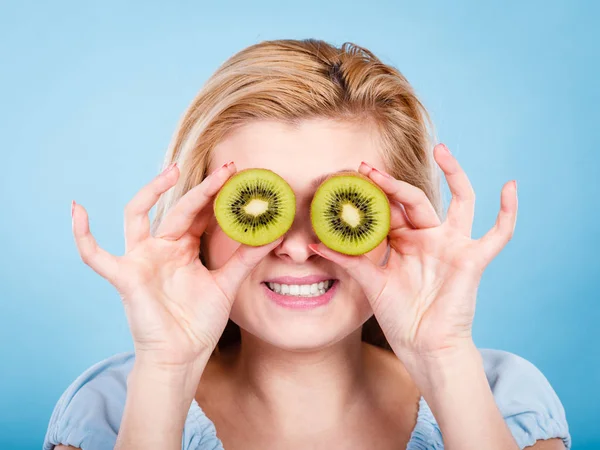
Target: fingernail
[445, 148]
[382, 173]
[515, 183]
[218, 169]
[169, 168]
[72, 207]
[314, 248]
[221, 168]
[230, 163]
[370, 168]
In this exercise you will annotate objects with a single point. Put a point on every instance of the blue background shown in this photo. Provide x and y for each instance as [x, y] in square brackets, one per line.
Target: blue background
[90, 95]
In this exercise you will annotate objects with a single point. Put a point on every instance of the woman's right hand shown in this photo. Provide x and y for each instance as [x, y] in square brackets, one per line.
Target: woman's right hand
[176, 308]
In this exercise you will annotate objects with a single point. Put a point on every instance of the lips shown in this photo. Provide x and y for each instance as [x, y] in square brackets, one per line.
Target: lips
[301, 289]
[301, 302]
[310, 279]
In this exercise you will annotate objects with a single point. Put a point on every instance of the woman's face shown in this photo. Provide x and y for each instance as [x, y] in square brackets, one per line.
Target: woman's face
[300, 156]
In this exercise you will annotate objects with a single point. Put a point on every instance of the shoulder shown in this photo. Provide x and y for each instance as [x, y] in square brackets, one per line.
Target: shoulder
[514, 379]
[530, 406]
[88, 413]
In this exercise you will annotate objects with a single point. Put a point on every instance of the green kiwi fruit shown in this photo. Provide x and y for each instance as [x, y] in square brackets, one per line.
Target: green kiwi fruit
[255, 207]
[350, 214]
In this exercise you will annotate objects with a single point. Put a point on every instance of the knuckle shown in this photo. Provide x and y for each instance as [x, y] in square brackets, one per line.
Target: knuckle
[243, 260]
[353, 264]
[187, 205]
[157, 188]
[128, 284]
[86, 257]
[189, 242]
[129, 209]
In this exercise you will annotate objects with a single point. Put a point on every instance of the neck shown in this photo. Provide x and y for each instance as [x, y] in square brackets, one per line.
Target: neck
[296, 391]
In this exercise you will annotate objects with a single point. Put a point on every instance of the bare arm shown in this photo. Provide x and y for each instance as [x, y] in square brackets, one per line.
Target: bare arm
[158, 400]
[156, 407]
[456, 388]
[550, 444]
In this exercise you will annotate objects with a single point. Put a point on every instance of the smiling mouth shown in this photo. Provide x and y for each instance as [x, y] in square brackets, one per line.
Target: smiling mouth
[301, 290]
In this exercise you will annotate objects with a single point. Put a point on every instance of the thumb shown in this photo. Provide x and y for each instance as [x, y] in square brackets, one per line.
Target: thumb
[369, 276]
[230, 276]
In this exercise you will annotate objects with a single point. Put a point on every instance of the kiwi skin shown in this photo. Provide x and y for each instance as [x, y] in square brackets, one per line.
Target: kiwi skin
[351, 249]
[265, 235]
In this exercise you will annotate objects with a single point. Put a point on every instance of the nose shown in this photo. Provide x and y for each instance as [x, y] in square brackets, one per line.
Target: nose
[294, 247]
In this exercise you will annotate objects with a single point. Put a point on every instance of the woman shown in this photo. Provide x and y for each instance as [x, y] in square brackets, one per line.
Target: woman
[386, 362]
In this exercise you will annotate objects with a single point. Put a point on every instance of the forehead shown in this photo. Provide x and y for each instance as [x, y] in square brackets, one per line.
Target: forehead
[313, 146]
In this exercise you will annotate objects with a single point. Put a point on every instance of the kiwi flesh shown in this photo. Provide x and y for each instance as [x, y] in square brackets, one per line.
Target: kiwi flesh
[350, 213]
[255, 207]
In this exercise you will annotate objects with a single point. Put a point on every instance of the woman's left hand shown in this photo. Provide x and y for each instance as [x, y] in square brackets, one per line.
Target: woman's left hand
[424, 297]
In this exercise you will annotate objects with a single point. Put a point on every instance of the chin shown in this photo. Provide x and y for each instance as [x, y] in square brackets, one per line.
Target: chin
[300, 338]
[294, 324]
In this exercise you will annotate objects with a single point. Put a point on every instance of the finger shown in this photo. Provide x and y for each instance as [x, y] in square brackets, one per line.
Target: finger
[102, 262]
[418, 208]
[181, 217]
[230, 276]
[369, 276]
[462, 206]
[137, 223]
[399, 219]
[200, 222]
[496, 239]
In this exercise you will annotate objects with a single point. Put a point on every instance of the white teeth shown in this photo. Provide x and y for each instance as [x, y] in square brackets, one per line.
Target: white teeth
[305, 290]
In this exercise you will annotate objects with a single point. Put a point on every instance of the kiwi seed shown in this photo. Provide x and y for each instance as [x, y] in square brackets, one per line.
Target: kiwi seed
[255, 207]
[350, 214]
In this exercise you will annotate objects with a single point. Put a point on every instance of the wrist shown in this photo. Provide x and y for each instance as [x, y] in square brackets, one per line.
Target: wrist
[179, 379]
[434, 367]
[148, 361]
[157, 404]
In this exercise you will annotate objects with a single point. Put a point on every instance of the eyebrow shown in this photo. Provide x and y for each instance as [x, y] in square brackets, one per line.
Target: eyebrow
[318, 180]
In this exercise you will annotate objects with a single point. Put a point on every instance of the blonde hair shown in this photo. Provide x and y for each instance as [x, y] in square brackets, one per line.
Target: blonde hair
[291, 80]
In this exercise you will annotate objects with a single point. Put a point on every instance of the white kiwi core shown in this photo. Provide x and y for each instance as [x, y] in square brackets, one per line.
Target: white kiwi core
[350, 215]
[256, 207]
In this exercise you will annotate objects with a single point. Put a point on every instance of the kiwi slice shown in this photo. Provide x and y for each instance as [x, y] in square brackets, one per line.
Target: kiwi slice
[350, 214]
[255, 207]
